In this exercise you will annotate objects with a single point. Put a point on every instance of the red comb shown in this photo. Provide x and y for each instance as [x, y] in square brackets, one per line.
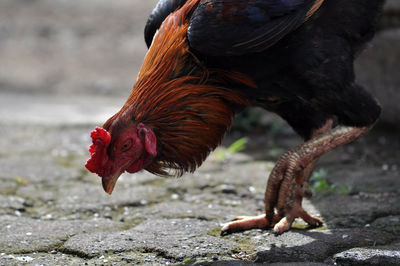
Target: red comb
[98, 151]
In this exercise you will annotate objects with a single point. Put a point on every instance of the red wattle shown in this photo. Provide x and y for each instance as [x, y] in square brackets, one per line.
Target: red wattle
[135, 167]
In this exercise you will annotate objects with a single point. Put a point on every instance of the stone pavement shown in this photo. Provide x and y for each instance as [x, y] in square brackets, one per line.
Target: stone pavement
[67, 66]
[52, 211]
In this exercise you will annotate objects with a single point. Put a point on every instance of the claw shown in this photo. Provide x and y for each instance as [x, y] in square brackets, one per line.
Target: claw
[311, 220]
[286, 222]
[284, 225]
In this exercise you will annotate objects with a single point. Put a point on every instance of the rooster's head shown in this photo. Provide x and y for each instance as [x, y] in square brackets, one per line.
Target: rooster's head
[129, 149]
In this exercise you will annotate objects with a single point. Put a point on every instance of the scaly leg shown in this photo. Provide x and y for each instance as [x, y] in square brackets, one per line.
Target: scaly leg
[243, 223]
[299, 186]
[292, 190]
[287, 184]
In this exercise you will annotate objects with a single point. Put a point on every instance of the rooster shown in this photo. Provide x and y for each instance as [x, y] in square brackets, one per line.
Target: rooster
[209, 59]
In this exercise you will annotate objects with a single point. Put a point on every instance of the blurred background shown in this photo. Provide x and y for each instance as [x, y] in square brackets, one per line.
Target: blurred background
[71, 55]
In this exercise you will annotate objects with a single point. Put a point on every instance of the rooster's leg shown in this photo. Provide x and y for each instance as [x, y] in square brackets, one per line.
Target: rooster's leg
[243, 223]
[288, 182]
[293, 185]
[299, 187]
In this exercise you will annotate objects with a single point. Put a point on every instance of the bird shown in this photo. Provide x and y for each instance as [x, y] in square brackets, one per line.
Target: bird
[211, 59]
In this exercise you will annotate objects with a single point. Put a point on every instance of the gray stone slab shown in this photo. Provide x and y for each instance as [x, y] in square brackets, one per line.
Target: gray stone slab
[42, 140]
[175, 238]
[24, 235]
[215, 174]
[356, 210]
[36, 169]
[77, 198]
[381, 255]
[247, 263]
[58, 258]
[390, 224]
[314, 245]
[367, 180]
[202, 211]
[11, 202]
[90, 196]
[40, 259]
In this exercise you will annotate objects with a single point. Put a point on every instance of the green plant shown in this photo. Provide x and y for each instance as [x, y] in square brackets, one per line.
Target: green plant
[344, 190]
[320, 184]
[237, 146]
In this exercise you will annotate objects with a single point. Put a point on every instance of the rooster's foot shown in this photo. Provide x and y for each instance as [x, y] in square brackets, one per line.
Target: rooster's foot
[297, 212]
[288, 182]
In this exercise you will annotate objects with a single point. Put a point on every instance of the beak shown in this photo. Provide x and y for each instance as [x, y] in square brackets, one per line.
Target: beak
[110, 181]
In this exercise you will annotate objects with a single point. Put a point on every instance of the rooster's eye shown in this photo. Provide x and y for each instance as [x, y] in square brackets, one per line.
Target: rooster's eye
[127, 145]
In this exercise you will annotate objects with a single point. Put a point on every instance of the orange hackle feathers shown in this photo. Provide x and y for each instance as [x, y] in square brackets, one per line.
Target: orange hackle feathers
[186, 105]
[314, 8]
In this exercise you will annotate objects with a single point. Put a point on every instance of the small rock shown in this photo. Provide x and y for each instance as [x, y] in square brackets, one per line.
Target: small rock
[228, 189]
[369, 256]
[24, 259]
[175, 196]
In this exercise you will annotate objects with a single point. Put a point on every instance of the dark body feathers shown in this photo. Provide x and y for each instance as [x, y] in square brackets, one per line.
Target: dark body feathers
[301, 61]
[157, 16]
[242, 27]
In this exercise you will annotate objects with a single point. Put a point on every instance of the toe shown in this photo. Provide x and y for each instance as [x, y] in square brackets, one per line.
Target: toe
[311, 220]
[245, 223]
[283, 225]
